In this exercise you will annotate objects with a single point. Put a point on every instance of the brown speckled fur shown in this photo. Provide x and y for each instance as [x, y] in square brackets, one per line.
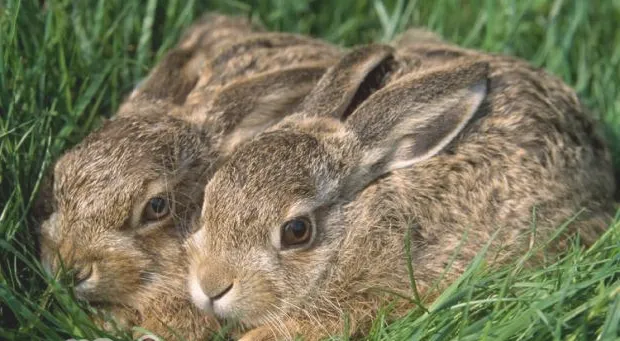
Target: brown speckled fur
[528, 145]
[165, 136]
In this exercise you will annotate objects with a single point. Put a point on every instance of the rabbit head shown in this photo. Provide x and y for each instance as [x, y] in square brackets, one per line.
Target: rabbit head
[121, 200]
[274, 226]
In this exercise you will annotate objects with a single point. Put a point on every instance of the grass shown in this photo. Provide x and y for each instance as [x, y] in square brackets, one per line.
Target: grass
[67, 64]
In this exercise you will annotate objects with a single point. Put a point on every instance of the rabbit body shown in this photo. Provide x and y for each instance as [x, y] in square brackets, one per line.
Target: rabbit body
[305, 223]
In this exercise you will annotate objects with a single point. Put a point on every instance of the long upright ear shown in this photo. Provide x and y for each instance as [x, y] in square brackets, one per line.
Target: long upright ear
[351, 80]
[240, 110]
[413, 119]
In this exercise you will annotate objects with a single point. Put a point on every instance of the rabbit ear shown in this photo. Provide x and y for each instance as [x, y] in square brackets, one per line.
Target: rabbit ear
[349, 82]
[177, 73]
[166, 87]
[415, 118]
[212, 28]
[172, 79]
[242, 109]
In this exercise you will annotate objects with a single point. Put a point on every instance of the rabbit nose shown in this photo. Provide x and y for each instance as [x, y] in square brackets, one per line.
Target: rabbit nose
[216, 282]
[221, 294]
[216, 289]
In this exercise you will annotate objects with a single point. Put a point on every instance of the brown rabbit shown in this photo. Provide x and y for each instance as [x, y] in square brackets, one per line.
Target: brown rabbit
[123, 199]
[306, 221]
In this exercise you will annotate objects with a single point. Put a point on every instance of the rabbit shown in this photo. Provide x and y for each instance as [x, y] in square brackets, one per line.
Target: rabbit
[305, 223]
[121, 201]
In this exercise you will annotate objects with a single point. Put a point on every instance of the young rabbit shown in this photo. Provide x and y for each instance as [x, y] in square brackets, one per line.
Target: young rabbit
[306, 223]
[122, 199]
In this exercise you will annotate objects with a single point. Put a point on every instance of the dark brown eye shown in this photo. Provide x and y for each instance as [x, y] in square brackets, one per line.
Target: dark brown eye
[157, 208]
[296, 233]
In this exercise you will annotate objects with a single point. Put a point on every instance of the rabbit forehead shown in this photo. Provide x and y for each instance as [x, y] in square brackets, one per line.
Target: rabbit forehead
[278, 160]
[111, 167]
[265, 179]
[89, 183]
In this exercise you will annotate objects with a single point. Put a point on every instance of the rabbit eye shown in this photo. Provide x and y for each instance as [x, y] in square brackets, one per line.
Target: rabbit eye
[156, 208]
[295, 233]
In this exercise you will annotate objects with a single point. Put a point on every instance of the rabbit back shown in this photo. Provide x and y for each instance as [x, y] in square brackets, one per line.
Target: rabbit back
[532, 159]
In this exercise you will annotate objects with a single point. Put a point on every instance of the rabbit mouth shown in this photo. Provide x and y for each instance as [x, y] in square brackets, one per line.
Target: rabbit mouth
[222, 305]
[228, 305]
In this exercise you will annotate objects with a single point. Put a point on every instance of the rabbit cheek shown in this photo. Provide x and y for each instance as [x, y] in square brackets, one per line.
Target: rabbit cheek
[119, 286]
[47, 254]
[116, 276]
[256, 299]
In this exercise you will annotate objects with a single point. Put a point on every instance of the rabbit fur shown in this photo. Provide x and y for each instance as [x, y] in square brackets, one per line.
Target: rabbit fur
[304, 224]
[164, 142]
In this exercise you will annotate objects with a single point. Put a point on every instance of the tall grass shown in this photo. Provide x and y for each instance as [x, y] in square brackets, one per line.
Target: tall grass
[67, 64]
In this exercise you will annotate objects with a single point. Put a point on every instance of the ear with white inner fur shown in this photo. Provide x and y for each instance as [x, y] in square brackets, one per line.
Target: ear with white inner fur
[413, 119]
